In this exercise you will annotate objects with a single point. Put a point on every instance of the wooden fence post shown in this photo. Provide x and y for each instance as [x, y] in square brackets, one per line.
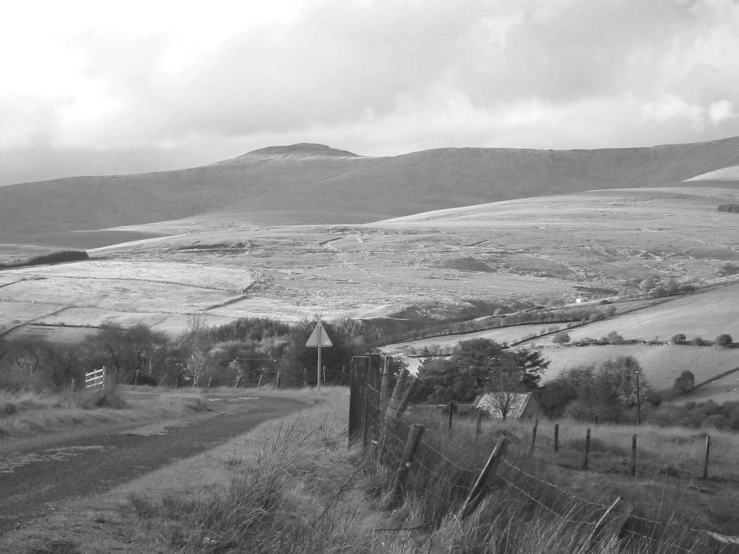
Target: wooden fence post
[587, 449]
[305, 379]
[259, 384]
[599, 526]
[397, 397]
[357, 392]
[385, 386]
[451, 414]
[556, 437]
[210, 379]
[633, 454]
[477, 491]
[708, 450]
[238, 380]
[407, 396]
[478, 425]
[414, 438]
[278, 380]
[533, 437]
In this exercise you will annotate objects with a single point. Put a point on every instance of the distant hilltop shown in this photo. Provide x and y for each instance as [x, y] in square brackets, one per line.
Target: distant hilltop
[315, 184]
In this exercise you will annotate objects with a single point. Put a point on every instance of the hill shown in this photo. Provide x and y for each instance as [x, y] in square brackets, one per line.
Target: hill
[311, 184]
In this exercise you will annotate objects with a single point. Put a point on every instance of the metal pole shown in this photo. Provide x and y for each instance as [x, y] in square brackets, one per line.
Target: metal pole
[318, 369]
[638, 401]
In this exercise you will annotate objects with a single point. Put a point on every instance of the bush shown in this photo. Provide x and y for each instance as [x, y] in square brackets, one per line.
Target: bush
[561, 338]
[724, 340]
[52, 258]
[697, 341]
[614, 338]
[678, 339]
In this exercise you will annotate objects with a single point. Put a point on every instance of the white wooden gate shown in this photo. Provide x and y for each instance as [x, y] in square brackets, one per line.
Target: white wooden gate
[95, 379]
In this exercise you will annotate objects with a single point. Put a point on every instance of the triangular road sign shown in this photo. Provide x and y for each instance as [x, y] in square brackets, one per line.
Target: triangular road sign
[319, 337]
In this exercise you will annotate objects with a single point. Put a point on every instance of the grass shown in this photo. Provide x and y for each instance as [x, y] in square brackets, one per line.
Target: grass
[27, 413]
[294, 487]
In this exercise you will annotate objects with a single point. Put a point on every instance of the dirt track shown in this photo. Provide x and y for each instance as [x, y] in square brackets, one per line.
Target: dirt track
[33, 477]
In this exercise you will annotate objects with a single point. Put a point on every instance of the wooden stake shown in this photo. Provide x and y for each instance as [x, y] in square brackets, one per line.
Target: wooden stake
[407, 397]
[259, 384]
[478, 426]
[451, 414]
[209, 381]
[708, 450]
[278, 380]
[587, 449]
[396, 399]
[533, 437]
[556, 437]
[599, 526]
[414, 438]
[477, 491]
[236, 384]
[385, 386]
[633, 454]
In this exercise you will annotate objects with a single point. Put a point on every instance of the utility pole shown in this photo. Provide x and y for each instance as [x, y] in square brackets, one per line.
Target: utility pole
[318, 381]
[638, 399]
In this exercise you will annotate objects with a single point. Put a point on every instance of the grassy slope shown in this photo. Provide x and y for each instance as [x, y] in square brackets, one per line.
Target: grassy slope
[661, 364]
[705, 315]
[291, 486]
[304, 184]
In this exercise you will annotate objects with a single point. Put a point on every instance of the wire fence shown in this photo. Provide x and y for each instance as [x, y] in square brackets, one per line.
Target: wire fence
[453, 469]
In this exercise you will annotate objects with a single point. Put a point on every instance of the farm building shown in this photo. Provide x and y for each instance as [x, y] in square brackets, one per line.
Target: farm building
[520, 405]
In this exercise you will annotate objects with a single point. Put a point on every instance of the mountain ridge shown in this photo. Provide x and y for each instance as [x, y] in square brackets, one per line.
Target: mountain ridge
[309, 183]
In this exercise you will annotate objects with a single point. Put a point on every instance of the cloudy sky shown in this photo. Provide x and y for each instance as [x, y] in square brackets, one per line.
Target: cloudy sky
[102, 86]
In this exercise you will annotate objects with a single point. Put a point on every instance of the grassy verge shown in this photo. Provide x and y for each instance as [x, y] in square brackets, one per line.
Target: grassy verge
[26, 413]
[291, 486]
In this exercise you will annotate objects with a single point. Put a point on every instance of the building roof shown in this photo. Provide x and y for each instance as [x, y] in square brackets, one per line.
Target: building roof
[519, 403]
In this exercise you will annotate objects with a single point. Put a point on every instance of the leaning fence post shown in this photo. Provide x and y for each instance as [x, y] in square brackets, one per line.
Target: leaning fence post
[407, 396]
[533, 437]
[556, 437]
[587, 449]
[708, 450]
[396, 399]
[599, 526]
[414, 438]
[633, 454]
[476, 492]
[478, 426]
[209, 382]
[385, 386]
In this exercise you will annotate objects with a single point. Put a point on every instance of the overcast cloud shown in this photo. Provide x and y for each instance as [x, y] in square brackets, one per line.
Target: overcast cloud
[88, 88]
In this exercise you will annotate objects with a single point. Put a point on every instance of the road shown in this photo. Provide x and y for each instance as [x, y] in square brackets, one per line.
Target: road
[64, 469]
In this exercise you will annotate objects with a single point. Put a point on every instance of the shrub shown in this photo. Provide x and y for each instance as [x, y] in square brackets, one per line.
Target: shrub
[724, 340]
[678, 339]
[697, 341]
[561, 338]
[614, 338]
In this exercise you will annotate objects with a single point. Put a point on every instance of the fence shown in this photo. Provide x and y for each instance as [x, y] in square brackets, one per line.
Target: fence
[95, 379]
[458, 475]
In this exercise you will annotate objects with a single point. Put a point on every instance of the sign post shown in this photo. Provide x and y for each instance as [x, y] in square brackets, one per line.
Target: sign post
[318, 339]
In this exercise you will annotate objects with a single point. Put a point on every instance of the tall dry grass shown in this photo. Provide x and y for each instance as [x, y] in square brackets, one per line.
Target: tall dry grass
[24, 413]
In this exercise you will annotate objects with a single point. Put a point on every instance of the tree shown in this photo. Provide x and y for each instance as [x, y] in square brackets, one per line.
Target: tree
[724, 340]
[679, 338]
[561, 338]
[685, 382]
[614, 338]
[476, 366]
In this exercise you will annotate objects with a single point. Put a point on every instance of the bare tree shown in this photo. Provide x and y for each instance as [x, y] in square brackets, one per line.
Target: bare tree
[504, 385]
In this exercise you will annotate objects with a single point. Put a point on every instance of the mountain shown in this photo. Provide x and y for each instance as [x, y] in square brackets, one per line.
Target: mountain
[310, 183]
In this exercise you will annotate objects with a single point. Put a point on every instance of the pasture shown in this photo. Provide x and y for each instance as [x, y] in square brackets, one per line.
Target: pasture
[661, 364]
[706, 315]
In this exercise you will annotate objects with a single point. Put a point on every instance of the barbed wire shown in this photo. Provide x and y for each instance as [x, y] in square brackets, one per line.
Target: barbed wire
[564, 518]
[657, 541]
[552, 485]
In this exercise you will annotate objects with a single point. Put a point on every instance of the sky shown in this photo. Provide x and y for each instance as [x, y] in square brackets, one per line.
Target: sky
[103, 87]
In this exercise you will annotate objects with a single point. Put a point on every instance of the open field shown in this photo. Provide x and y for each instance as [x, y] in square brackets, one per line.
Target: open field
[706, 315]
[661, 364]
[531, 250]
